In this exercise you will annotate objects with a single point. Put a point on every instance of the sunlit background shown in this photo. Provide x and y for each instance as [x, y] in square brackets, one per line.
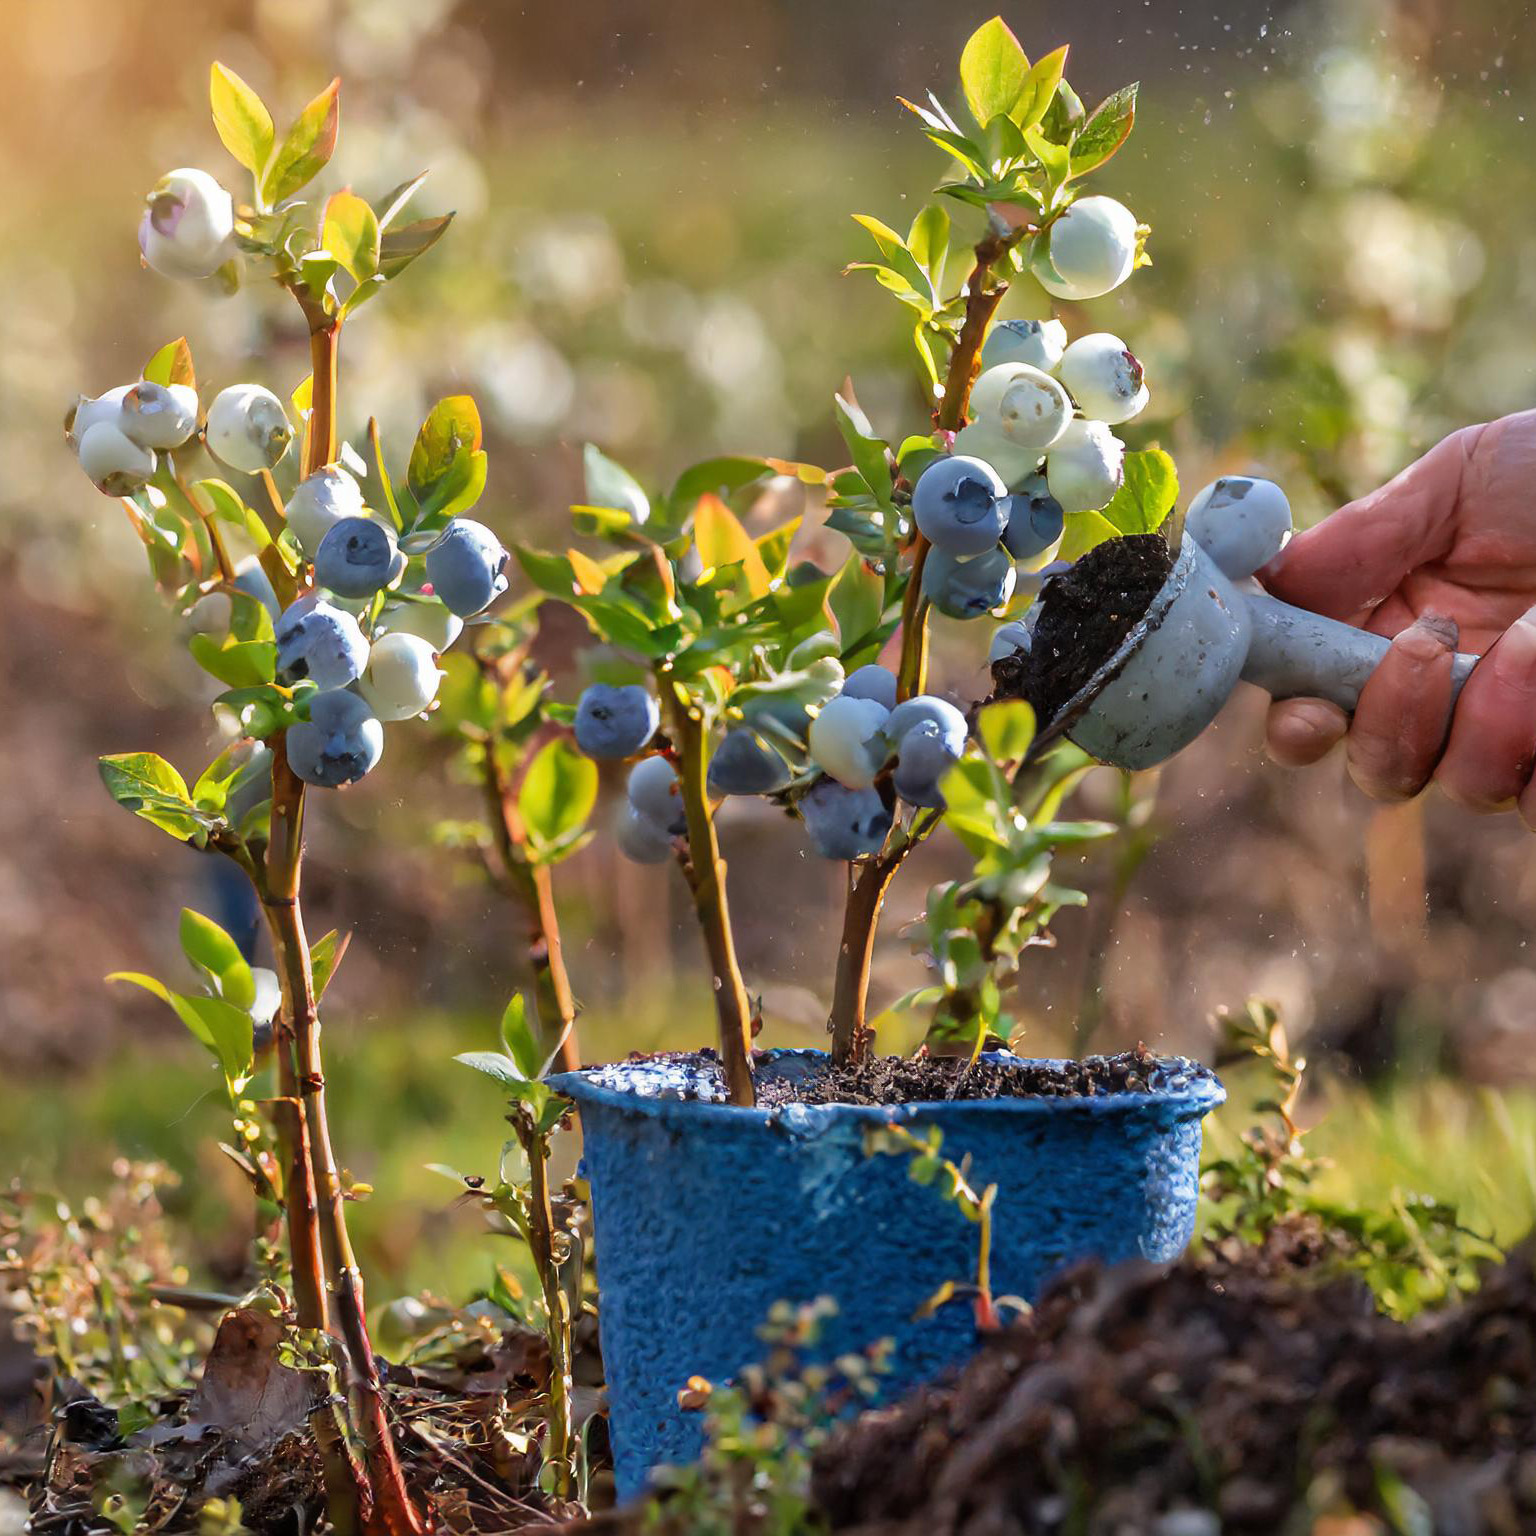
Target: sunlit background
[653, 207]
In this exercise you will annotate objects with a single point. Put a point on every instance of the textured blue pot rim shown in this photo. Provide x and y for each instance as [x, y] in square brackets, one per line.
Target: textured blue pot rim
[1202, 1092]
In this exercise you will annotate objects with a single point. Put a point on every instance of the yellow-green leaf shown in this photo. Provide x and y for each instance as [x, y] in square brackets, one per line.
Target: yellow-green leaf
[993, 67]
[172, 364]
[557, 795]
[721, 541]
[244, 124]
[351, 234]
[1039, 88]
[1006, 729]
[309, 145]
[1085, 530]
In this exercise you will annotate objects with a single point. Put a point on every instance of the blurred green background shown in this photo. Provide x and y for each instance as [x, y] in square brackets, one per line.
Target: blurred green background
[653, 209]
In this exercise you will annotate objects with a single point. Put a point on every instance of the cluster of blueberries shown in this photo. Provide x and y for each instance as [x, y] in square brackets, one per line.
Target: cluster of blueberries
[845, 731]
[391, 673]
[1039, 447]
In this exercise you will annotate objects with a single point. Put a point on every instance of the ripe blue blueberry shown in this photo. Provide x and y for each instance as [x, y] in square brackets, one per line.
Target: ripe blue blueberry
[615, 722]
[357, 558]
[845, 823]
[655, 793]
[958, 505]
[966, 589]
[872, 682]
[1012, 640]
[467, 567]
[339, 743]
[320, 642]
[745, 765]
[925, 757]
[1035, 520]
[928, 708]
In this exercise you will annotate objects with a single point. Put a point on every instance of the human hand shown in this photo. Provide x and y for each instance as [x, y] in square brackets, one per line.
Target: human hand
[1442, 557]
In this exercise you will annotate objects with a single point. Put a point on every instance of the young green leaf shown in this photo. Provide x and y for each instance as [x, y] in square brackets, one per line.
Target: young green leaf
[243, 122]
[401, 245]
[222, 1028]
[1039, 88]
[1106, 129]
[452, 429]
[1006, 730]
[172, 364]
[869, 451]
[350, 233]
[928, 241]
[1085, 531]
[557, 795]
[308, 147]
[1147, 493]
[325, 954]
[150, 787]
[212, 950]
[236, 663]
[857, 600]
[993, 67]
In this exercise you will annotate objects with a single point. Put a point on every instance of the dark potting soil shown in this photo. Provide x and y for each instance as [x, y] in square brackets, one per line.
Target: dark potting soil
[885, 1080]
[1085, 613]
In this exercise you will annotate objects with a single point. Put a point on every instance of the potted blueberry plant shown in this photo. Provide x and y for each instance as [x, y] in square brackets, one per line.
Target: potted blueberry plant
[320, 592]
[730, 1179]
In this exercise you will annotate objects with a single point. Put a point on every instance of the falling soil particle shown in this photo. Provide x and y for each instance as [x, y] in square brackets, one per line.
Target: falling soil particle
[1085, 614]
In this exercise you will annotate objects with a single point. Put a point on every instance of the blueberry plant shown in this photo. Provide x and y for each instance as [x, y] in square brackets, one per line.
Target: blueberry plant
[726, 667]
[320, 590]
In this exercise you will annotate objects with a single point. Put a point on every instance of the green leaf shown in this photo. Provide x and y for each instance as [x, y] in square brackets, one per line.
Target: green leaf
[226, 501]
[210, 949]
[609, 484]
[172, 364]
[211, 792]
[324, 956]
[857, 599]
[928, 241]
[1106, 129]
[262, 710]
[399, 247]
[1085, 531]
[350, 233]
[221, 1027]
[236, 663]
[493, 1064]
[244, 124]
[518, 1037]
[452, 429]
[1146, 495]
[557, 795]
[868, 450]
[1052, 157]
[150, 787]
[390, 206]
[993, 68]
[309, 145]
[1039, 88]
[1006, 729]
[720, 477]
[721, 541]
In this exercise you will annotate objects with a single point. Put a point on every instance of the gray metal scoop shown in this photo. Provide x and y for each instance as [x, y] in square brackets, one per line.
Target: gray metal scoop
[1210, 625]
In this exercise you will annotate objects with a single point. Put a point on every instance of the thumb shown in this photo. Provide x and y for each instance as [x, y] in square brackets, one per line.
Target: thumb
[1351, 562]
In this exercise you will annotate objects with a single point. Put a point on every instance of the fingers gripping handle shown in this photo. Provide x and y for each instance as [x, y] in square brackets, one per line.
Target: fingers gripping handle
[1296, 654]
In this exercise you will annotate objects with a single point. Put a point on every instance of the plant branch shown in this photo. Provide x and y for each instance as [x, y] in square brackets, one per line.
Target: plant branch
[209, 522]
[533, 885]
[706, 872]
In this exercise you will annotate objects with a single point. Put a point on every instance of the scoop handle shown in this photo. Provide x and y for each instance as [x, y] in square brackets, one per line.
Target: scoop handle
[1296, 654]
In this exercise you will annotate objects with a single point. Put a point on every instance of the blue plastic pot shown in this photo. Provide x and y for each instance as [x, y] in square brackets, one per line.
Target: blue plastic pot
[706, 1213]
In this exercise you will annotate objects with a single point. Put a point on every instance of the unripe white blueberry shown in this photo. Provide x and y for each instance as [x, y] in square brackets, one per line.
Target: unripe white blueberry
[1105, 379]
[985, 441]
[1039, 343]
[248, 428]
[402, 676]
[1089, 250]
[88, 411]
[188, 225]
[1085, 469]
[1241, 522]
[159, 415]
[319, 502]
[430, 621]
[117, 465]
[209, 615]
[1026, 405]
[846, 740]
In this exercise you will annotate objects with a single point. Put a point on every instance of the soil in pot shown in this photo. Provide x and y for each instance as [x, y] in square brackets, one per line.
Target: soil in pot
[1085, 614]
[891, 1080]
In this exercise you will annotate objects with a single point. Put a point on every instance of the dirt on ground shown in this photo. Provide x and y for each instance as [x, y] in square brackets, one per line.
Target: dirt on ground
[1228, 1395]
[1085, 613]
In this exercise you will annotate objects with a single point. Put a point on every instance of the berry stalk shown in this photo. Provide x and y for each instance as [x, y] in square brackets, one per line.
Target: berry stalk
[705, 870]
